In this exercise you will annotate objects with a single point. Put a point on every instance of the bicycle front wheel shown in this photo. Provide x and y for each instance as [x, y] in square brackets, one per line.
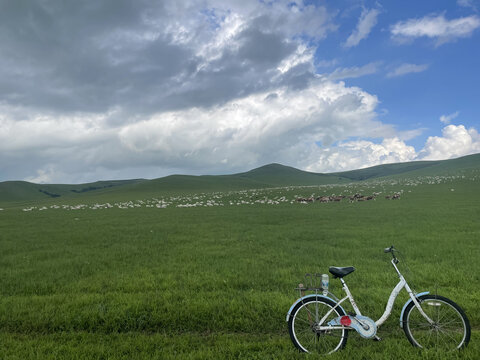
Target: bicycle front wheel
[302, 326]
[450, 329]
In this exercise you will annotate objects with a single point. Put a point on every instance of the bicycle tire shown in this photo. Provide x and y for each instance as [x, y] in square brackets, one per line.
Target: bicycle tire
[301, 322]
[451, 328]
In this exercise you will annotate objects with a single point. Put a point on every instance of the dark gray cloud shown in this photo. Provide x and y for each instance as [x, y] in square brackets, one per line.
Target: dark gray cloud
[77, 56]
[83, 56]
[258, 47]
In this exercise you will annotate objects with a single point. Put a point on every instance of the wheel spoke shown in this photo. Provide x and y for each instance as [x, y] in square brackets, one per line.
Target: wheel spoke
[447, 335]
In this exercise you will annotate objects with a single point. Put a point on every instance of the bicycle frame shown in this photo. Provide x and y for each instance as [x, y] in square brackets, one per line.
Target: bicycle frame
[388, 310]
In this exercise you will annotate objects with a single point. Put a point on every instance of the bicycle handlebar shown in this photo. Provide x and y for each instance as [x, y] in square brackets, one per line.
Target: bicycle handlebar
[392, 250]
[389, 249]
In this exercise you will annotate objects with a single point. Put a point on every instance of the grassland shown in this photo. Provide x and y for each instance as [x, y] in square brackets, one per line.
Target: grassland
[210, 275]
[18, 193]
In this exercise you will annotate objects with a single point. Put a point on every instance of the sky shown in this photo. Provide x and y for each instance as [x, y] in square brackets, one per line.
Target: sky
[115, 89]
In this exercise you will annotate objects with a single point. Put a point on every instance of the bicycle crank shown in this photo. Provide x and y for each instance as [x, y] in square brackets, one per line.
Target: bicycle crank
[365, 326]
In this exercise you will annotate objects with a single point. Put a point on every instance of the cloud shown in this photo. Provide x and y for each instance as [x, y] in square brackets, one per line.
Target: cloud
[407, 69]
[368, 19]
[326, 63]
[447, 118]
[275, 126]
[43, 176]
[258, 129]
[455, 141]
[148, 89]
[360, 154]
[67, 95]
[154, 56]
[467, 3]
[354, 71]
[309, 129]
[410, 134]
[58, 148]
[435, 27]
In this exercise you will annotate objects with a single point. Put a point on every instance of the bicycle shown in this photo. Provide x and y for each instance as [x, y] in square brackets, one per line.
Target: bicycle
[318, 322]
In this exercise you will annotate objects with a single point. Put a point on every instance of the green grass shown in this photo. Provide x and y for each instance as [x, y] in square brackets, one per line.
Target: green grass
[134, 345]
[216, 281]
[105, 274]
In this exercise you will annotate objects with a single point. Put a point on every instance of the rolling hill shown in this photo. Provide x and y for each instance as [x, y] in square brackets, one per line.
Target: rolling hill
[272, 175]
[414, 168]
[23, 191]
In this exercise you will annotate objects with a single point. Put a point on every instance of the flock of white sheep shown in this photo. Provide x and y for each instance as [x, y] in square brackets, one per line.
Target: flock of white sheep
[269, 196]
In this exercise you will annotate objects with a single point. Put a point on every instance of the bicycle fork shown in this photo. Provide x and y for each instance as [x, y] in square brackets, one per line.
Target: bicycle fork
[402, 284]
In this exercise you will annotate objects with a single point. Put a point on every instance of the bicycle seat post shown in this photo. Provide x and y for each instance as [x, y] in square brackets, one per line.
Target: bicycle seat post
[350, 297]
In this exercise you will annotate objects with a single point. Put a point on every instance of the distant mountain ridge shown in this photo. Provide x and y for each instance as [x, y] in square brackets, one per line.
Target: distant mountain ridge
[271, 175]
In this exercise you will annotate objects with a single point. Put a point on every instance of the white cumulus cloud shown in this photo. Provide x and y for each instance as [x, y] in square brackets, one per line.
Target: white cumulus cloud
[279, 126]
[282, 125]
[352, 155]
[455, 141]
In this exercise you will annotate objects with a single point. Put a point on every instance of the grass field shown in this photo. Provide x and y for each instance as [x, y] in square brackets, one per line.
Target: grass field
[211, 275]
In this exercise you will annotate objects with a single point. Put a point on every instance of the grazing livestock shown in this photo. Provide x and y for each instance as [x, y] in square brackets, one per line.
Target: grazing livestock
[325, 199]
[355, 197]
[395, 196]
[305, 200]
[359, 197]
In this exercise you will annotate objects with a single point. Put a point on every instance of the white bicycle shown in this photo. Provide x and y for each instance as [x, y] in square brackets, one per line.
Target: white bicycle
[318, 323]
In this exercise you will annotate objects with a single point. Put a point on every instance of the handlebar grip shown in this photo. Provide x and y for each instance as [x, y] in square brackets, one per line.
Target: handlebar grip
[389, 249]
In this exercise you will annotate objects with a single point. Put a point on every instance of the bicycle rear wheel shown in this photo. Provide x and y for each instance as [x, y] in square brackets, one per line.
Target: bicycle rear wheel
[302, 326]
[450, 329]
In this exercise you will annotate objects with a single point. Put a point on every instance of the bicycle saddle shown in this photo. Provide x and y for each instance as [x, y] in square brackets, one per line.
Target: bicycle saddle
[340, 272]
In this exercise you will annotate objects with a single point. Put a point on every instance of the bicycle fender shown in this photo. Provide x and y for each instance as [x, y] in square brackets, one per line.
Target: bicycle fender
[408, 302]
[308, 297]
